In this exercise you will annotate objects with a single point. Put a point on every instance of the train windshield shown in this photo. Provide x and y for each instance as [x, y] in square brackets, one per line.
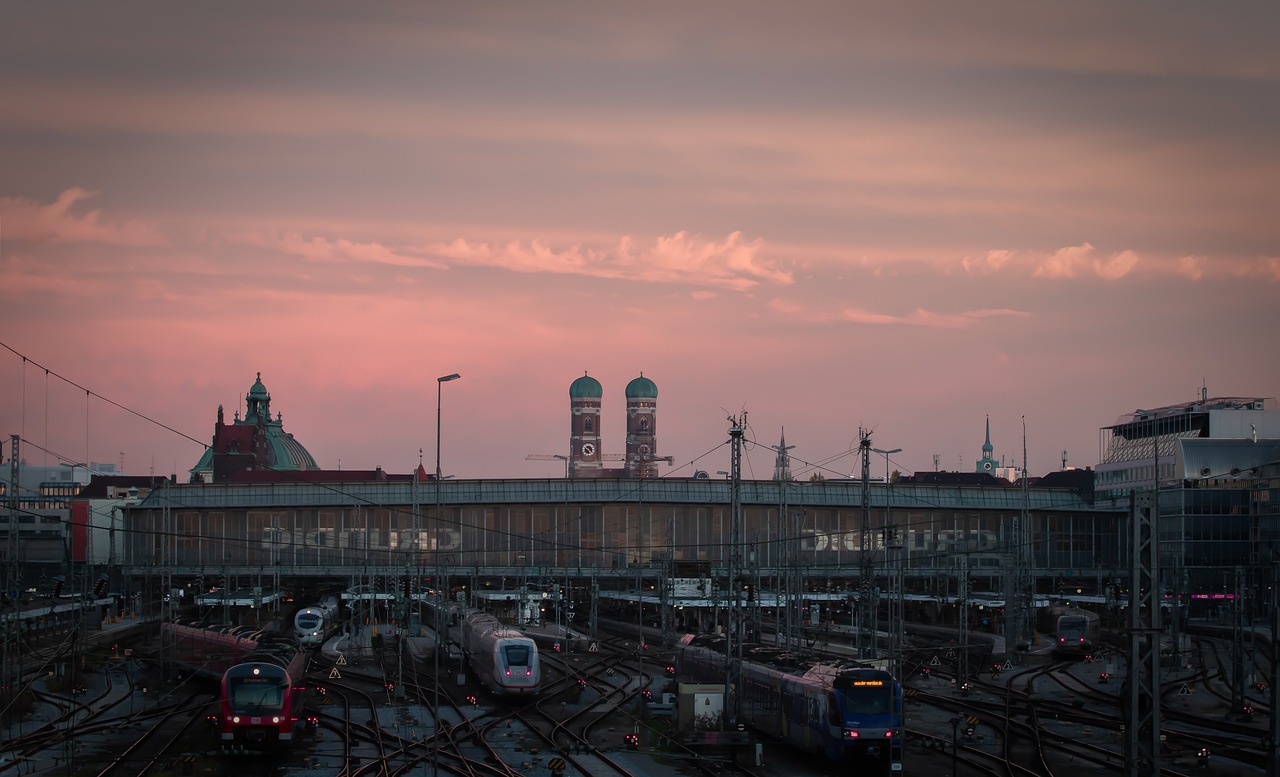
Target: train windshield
[865, 697]
[256, 693]
[517, 655]
[309, 621]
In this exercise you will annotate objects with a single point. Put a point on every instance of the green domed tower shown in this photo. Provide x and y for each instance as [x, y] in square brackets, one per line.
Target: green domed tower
[585, 394]
[256, 441]
[642, 448]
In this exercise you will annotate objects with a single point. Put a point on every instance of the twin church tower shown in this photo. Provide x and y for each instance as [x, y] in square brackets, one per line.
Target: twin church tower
[586, 459]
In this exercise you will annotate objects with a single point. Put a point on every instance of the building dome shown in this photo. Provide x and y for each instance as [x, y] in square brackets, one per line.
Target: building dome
[642, 388]
[585, 387]
[258, 391]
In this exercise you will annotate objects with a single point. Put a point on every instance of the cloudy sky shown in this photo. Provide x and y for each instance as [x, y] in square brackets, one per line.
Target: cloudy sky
[903, 216]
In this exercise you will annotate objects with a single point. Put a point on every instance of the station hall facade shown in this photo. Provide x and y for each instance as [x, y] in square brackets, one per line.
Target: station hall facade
[630, 524]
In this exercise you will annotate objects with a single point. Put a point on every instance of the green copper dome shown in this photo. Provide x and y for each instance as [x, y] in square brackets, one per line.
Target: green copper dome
[642, 388]
[258, 390]
[585, 387]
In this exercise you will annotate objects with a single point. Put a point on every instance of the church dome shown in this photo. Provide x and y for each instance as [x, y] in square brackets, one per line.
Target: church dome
[585, 387]
[642, 388]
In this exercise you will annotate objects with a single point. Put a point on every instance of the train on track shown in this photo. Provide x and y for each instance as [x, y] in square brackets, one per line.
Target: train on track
[262, 695]
[313, 625]
[1076, 631]
[847, 712]
[263, 703]
[504, 659]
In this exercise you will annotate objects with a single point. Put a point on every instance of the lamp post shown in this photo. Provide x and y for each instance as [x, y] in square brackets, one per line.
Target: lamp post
[435, 711]
[887, 454]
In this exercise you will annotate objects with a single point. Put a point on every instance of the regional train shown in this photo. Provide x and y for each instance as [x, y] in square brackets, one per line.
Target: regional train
[504, 660]
[313, 625]
[846, 712]
[263, 702]
[262, 696]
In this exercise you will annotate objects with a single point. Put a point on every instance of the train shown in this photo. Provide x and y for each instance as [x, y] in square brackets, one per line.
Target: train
[847, 712]
[262, 703]
[504, 660]
[207, 650]
[313, 625]
[1076, 631]
[261, 694]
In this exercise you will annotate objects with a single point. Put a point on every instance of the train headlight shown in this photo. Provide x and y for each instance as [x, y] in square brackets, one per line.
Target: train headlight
[276, 719]
[235, 719]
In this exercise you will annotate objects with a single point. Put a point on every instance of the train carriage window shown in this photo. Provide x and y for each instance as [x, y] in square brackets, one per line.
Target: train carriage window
[833, 710]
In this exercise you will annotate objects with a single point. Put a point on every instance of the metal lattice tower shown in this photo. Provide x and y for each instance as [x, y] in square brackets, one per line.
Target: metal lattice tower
[733, 643]
[1273, 760]
[1020, 581]
[897, 594]
[867, 599]
[12, 572]
[1142, 694]
[962, 621]
[1237, 643]
[668, 590]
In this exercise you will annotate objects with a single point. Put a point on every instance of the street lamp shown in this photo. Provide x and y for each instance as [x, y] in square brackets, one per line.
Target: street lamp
[435, 712]
[439, 386]
[886, 459]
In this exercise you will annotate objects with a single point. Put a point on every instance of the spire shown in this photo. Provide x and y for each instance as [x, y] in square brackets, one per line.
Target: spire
[782, 464]
[986, 446]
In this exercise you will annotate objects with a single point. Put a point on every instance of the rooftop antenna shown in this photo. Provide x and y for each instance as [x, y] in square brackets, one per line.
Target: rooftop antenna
[1064, 458]
[936, 458]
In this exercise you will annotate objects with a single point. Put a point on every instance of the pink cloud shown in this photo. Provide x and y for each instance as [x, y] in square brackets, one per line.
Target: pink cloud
[732, 263]
[30, 221]
[321, 249]
[926, 318]
[917, 318]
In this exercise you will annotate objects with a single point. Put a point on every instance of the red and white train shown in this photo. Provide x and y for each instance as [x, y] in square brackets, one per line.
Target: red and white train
[262, 704]
[262, 695]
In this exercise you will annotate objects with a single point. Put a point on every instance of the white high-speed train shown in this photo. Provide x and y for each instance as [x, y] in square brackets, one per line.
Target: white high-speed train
[313, 625]
[504, 660]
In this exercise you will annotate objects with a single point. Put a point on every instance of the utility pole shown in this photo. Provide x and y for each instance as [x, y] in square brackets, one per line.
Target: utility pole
[1142, 691]
[733, 644]
[962, 620]
[1273, 760]
[867, 599]
[12, 574]
[1019, 591]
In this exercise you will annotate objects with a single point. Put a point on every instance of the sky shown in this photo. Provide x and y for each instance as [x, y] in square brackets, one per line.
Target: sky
[904, 217]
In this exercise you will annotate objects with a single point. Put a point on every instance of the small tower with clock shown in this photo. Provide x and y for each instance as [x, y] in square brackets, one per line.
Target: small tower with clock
[585, 394]
[642, 406]
[987, 464]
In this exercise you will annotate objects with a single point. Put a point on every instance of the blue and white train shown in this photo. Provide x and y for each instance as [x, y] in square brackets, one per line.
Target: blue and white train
[846, 712]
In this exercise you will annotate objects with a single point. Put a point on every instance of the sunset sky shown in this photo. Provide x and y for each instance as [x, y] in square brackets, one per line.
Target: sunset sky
[903, 216]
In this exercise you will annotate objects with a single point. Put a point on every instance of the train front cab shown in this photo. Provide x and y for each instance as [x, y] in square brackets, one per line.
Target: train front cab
[516, 666]
[257, 708]
[870, 707]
